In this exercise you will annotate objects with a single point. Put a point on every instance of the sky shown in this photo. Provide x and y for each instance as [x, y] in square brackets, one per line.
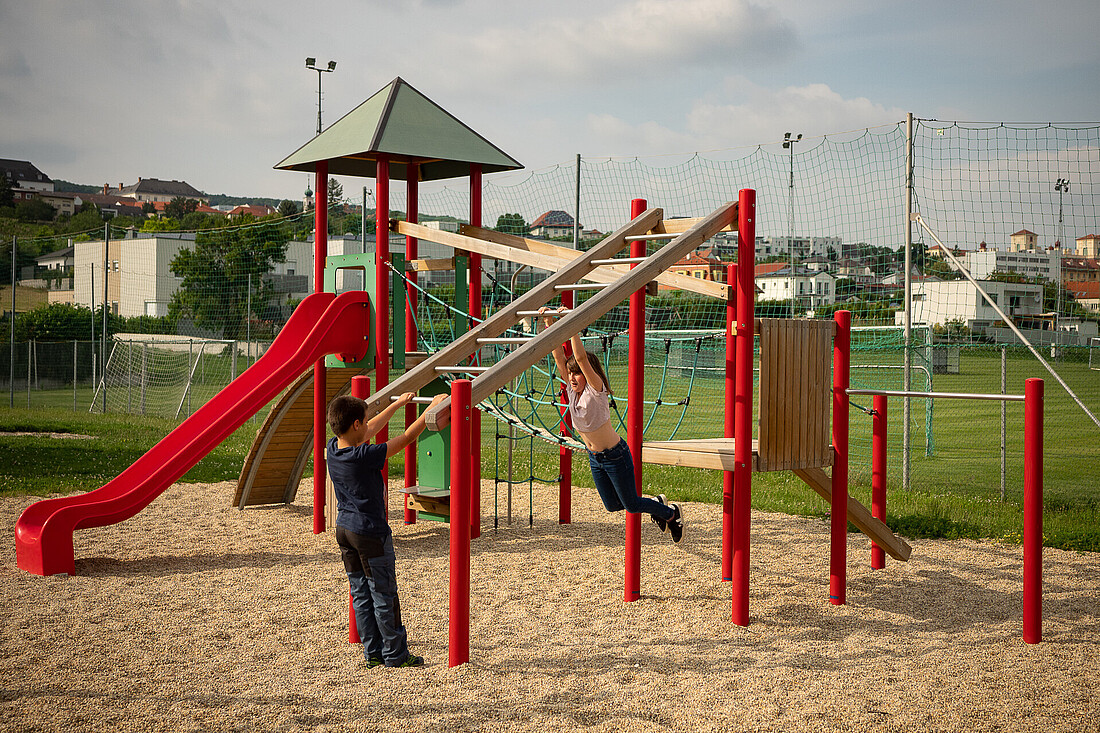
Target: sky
[216, 93]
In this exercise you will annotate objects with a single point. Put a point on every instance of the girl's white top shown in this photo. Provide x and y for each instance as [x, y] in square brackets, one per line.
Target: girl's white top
[589, 410]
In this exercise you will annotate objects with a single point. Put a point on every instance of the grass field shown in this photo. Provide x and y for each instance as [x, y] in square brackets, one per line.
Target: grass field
[955, 489]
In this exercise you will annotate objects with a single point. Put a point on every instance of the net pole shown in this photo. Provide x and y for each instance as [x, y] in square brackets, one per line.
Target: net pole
[11, 358]
[908, 353]
[103, 336]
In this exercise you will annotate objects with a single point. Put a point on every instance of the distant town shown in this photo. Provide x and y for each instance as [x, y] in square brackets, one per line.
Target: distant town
[804, 275]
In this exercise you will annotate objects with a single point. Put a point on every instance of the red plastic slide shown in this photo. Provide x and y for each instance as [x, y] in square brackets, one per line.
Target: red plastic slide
[322, 324]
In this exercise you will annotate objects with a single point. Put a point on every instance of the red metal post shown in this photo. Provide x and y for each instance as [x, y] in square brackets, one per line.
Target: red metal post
[382, 292]
[475, 313]
[459, 620]
[742, 417]
[412, 215]
[1033, 511]
[360, 387]
[565, 456]
[635, 415]
[728, 423]
[320, 387]
[878, 473]
[838, 525]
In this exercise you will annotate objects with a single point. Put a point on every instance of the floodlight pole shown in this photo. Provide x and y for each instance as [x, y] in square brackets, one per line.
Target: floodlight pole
[1062, 187]
[788, 144]
[311, 63]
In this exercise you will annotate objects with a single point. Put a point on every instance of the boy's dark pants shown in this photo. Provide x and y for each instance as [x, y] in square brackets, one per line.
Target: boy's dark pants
[372, 573]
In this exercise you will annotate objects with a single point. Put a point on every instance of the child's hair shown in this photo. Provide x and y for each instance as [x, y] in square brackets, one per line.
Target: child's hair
[573, 367]
[343, 411]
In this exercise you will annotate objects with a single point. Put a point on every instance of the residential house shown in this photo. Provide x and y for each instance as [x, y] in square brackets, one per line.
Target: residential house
[153, 189]
[25, 176]
[702, 264]
[810, 289]
[938, 302]
[1080, 269]
[257, 211]
[1029, 263]
[139, 279]
[1089, 246]
[1023, 241]
[552, 224]
[110, 204]
[1087, 294]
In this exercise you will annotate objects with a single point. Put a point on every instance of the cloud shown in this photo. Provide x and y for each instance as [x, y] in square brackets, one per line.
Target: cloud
[634, 40]
[754, 116]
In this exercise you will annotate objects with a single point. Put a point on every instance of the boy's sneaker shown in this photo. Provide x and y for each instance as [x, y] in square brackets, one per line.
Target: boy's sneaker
[373, 662]
[661, 524]
[676, 524]
[412, 661]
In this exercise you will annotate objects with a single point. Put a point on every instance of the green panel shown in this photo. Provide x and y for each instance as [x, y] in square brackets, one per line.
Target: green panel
[363, 262]
[397, 295]
[462, 290]
[433, 448]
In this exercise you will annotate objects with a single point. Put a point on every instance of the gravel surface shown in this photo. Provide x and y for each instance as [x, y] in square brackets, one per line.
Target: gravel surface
[194, 616]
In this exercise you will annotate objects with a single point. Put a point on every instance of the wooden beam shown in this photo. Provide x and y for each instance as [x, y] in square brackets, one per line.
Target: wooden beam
[485, 248]
[447, 263]
[858, 515]
[710, 288]
[679, 226]
[505, 370]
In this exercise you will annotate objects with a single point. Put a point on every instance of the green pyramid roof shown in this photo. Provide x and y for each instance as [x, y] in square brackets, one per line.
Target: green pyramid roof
[402, 123]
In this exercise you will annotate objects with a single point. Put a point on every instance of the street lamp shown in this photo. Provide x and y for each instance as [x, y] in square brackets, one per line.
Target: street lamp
[788, 144]
[1062, 187]
[311, 63]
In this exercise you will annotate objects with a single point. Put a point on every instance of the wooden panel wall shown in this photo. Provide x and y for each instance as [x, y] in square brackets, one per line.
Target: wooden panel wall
[795, 393]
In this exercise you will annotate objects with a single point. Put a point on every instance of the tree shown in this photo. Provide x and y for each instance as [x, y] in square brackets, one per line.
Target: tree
[214, 291]
[7, 198]
[335, 193]
[288, 208]
[180, 207]
[34, 210]
[512, 224]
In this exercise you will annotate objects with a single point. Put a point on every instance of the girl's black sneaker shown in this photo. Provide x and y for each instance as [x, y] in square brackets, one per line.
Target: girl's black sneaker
[676, 524]
[661, 524]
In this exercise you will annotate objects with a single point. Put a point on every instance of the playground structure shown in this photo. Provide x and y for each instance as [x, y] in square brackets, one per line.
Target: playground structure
[796, 431]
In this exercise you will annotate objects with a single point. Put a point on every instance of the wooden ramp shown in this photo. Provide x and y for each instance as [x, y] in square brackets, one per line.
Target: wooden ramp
[273, 467]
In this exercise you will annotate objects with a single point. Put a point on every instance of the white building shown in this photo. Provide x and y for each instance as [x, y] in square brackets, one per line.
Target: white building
[139, 279]
[812, 289]
[1031, 263]
[803, 246]
[937, 302]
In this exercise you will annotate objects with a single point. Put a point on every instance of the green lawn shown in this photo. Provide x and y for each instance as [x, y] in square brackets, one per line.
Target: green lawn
[955, 488]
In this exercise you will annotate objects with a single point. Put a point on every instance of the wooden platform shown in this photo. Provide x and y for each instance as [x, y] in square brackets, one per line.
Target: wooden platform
[717, 453]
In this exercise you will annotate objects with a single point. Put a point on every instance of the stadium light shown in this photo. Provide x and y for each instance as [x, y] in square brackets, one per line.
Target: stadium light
[311, 63]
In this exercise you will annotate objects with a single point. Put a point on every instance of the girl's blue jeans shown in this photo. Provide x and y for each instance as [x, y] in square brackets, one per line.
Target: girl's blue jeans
[613, 472]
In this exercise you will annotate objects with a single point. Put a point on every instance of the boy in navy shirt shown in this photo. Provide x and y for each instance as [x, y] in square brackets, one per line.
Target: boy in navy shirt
[366, 542]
